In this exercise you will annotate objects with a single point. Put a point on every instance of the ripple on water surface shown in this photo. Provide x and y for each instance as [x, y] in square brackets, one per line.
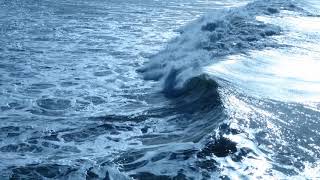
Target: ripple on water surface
[54, 103]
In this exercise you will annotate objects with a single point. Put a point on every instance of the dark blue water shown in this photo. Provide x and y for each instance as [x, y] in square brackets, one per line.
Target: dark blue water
[153, 89]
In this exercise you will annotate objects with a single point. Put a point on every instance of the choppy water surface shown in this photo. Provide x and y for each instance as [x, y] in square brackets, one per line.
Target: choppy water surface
[151, 89]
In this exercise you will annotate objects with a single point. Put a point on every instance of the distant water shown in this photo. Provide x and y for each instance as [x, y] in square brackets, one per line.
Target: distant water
[148, 89]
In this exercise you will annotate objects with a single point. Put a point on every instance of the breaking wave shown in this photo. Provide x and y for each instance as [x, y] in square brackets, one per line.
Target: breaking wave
[180, 70]
[199, 125]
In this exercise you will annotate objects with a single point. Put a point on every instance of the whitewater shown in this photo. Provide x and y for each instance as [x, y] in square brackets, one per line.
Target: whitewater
[149, 89]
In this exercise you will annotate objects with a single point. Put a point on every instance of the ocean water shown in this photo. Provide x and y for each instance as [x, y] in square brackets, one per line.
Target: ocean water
[149, 89]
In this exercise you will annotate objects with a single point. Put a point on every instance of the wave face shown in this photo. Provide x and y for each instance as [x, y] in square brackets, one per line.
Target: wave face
[97, 90]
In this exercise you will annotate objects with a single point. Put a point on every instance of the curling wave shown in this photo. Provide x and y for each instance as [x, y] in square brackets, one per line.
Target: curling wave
[233, 118]
[213, 37]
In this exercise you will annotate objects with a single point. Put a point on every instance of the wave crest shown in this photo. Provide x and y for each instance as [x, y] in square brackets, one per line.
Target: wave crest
[210, 39]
